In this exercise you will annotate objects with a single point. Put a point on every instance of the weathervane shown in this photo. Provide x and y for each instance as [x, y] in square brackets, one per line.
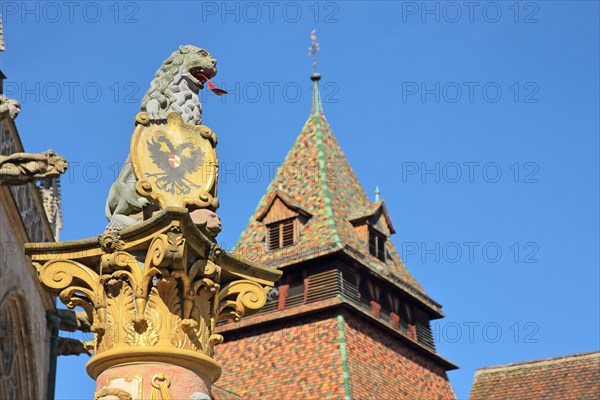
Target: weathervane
[314, 48]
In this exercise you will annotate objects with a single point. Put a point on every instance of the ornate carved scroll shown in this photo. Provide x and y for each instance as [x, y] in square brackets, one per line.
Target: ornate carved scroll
[160, 289]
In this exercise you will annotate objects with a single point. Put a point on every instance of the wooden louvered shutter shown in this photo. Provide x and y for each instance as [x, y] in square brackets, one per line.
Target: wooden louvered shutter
[381, 247]
[424, 334]
[273, 236]
[372, 243]
[281, 234]
[377, 244]
[287, 233]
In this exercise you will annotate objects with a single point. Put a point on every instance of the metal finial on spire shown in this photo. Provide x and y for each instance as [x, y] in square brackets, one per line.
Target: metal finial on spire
[312, 51]
[315, 76]
[377, 193]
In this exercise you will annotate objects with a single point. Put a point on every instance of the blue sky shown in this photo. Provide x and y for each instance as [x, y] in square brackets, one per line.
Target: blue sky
[478, 121]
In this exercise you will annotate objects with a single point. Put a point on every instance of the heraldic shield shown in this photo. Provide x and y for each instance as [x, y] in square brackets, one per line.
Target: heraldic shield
[175, 164]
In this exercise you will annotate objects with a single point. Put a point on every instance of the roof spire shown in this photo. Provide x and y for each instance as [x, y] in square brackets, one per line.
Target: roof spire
[377, 193]
[317, 108]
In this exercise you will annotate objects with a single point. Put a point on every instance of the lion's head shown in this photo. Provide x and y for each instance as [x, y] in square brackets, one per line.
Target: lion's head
[190, 65]
[193, 63]
[196, 64]
[207, 221]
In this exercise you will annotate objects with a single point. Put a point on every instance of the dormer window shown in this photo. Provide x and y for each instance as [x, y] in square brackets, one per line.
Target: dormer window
[281, 234]
[377, 244]
[283, 220]
[373, 227]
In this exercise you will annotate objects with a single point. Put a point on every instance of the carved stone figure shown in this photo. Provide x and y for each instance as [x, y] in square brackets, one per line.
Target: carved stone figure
[72, 321]
[71, 347]
[51, 198]
[21, 168]
[174, 88]
[9, 107]
[176, 85]
[207, 221]
[123, 200]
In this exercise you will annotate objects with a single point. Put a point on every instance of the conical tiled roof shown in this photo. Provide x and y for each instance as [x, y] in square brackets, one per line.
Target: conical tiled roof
[317, 177]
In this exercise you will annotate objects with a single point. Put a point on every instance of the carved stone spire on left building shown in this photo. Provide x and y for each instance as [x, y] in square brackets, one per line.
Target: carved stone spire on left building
[2, 48]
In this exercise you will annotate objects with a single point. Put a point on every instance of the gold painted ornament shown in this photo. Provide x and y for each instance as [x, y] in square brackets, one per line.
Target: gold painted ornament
[175, 164]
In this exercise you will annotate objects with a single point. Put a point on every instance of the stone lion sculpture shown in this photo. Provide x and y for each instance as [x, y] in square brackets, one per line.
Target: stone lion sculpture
[174, 88]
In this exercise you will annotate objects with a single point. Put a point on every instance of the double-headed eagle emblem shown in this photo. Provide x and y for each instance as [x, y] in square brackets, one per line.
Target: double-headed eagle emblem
[175, 162]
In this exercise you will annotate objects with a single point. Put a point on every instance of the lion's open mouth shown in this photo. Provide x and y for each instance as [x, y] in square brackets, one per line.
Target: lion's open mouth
[202, 75]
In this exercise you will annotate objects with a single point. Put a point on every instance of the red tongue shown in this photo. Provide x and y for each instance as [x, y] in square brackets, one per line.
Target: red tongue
[211, 86]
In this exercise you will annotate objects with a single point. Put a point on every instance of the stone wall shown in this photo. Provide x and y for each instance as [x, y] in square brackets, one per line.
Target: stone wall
[293, 360]
[24, 328]
[382, 367]
[335, 354]
[24, 333]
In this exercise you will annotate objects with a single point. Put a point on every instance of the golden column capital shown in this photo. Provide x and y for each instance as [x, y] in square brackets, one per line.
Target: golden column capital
[153, 292]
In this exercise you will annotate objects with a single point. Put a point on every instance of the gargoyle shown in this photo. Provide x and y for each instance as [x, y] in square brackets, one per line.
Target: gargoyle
[72, 321]
[9, 107]
[21, 168]
[71, 347]
[174, 88]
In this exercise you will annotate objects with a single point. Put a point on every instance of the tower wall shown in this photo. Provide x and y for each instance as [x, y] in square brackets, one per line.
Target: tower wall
[335, 355]
[284, 360]
[382, 367]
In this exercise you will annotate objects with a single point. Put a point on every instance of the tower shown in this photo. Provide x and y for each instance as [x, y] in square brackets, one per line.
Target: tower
[347, 319]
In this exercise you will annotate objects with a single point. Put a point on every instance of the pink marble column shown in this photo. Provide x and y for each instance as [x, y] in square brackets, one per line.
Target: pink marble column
[152, 381]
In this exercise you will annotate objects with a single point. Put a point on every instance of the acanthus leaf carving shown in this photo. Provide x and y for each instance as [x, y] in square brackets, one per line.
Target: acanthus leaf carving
[143, 292]
[141, 335]
[120, 307]
[164, 310]
[202, 314]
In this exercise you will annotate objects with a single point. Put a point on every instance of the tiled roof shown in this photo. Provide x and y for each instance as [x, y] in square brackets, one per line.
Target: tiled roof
[317, 177]
[289, 203]
[370, 210]
[331, 303]
[574, 377]
[327, 355]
